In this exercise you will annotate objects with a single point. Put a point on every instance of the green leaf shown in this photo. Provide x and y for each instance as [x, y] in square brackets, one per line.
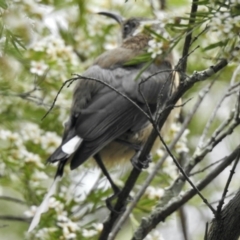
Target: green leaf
[143, 58]
[215, 45]
[156, 34]
[3, 4]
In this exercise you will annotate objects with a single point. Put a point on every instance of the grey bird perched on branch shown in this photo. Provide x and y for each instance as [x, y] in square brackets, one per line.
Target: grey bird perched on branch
[104, 124]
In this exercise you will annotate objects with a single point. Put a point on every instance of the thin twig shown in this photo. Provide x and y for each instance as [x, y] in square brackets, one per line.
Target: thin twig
[199, 34]
[204, 169]
[232, 171]
[228, 196]
[185, 175]
[59, 91]
[228, 93]
[188, 38]
[221, 202]
[198, 156]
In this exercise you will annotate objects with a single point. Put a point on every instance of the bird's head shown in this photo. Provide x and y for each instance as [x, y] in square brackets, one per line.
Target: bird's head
[132, 26]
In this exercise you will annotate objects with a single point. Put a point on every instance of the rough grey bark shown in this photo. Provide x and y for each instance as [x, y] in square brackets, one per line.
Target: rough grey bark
[227, 225]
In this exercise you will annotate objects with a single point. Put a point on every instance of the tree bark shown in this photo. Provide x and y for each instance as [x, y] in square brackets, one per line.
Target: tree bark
[227, 225]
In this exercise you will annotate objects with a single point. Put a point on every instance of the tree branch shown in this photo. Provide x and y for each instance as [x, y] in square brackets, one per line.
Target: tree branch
[160, 213]
[227, 225]
[188, 38]
[168, 106]
[221, 202]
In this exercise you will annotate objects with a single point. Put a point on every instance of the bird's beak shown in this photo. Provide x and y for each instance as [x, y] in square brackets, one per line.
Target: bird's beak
[115, 16]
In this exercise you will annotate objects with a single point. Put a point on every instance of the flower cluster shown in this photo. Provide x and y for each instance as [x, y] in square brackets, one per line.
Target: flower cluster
[154, 192]
[51, 54]
[154, 235]
[66, 225]
[15, 150]
[225, 27]
[160, 42]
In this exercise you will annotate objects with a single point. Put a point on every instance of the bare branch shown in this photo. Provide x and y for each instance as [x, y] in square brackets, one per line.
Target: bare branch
[160, 213]
[221, 202]
[197, 76]
[230, 92]
[207, 167]
[188, 38]
[226, 226]
[69, 81]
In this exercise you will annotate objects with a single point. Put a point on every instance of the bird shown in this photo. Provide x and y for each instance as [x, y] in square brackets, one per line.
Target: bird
[105, 125]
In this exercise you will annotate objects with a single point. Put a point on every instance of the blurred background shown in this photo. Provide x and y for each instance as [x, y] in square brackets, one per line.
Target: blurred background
[41, 44]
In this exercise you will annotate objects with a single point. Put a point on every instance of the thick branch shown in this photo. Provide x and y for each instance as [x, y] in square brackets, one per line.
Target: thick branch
[168, 106]
[227, 226]
[188, 38]
[159, 214]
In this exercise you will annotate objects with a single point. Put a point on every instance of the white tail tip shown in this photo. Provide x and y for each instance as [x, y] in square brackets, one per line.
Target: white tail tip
[44, 205]
[72, 145]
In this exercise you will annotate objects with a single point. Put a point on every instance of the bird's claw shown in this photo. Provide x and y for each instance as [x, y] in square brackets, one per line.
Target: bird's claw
[141, 164]
[113, 197]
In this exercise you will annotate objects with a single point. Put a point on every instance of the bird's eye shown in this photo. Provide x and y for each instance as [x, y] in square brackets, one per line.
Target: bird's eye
[126, 28]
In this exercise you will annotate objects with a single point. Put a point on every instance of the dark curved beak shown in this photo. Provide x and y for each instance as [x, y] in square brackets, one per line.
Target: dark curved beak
[115, 16]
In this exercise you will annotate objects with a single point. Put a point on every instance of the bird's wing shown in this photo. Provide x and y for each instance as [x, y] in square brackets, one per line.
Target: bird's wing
[100, 115]
[109, 115]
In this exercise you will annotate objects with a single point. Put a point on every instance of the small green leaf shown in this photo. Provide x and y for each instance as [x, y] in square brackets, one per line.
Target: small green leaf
[143, 58]
[3, 4]
[214, 45]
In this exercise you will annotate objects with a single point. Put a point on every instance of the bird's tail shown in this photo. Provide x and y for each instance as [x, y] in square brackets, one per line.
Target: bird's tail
[44, 205]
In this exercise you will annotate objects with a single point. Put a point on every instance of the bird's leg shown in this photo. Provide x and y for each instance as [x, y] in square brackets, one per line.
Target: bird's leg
[135, 159]
[141, 164]
[115, 188]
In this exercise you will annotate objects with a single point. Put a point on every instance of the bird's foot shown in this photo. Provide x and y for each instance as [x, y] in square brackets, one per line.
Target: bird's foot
[141, 164]
[109, 202]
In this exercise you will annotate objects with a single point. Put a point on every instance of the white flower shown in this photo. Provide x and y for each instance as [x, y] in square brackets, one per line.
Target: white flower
[31, 212]
[5, 134]
[89, 233]
[68, 227]
[49, 141]
[154, 235]
[154, 193]
[32, 158]
[38, 68]
[39, 46]
[56, 205]
[98, 226]
[155, 48]
[160, 153]
[31, 132]
[39, 175]
[45, 232]
[181, 147]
